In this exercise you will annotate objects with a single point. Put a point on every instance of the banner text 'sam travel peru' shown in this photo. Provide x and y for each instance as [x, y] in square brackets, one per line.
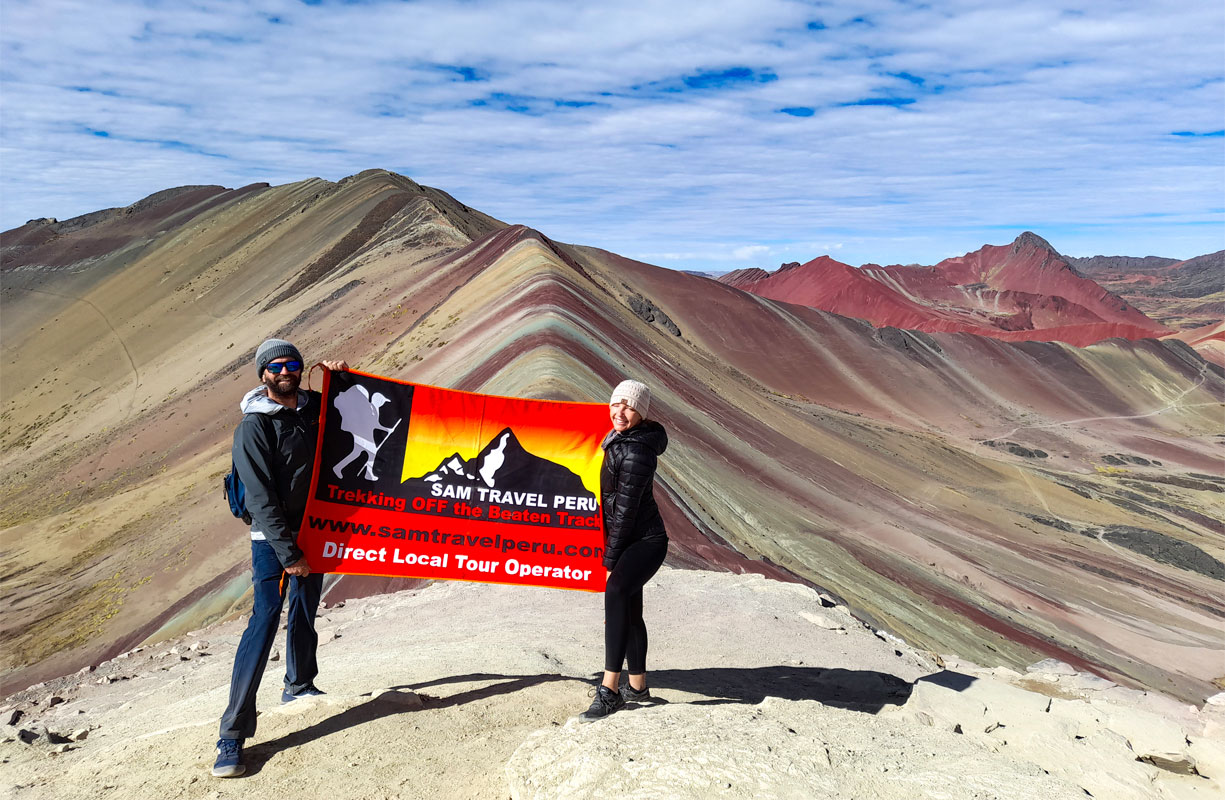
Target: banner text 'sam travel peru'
[418, 481]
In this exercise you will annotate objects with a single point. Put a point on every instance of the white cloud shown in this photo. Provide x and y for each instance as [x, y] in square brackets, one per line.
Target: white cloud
[750, 252]
[1044, 115]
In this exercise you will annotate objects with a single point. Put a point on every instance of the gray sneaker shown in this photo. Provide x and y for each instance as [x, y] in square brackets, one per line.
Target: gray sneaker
[309, 691]
[606, 702]
[632, 695]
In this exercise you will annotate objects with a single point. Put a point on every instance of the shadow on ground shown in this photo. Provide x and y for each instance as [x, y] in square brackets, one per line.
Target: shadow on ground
[390, 702]
[860, 690]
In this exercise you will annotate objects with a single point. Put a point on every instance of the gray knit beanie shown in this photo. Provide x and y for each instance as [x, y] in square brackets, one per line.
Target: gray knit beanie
[271, 350]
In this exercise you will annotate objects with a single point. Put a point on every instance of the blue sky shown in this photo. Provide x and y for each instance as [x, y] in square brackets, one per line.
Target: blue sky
[698, 135]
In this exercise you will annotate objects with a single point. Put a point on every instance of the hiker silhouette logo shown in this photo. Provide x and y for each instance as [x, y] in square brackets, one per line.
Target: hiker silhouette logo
[359, 417]
[370, 420]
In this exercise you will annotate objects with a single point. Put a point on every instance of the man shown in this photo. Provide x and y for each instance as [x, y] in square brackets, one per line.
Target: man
[274, 450]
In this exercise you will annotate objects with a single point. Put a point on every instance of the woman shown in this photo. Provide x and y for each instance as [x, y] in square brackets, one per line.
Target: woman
[635, 543]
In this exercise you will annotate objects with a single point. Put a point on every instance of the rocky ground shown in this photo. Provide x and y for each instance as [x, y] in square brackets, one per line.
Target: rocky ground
[764, 690]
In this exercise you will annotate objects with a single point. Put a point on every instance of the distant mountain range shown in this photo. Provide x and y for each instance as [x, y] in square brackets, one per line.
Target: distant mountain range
[1006, 501]
[1025, 291]
[1181, 294]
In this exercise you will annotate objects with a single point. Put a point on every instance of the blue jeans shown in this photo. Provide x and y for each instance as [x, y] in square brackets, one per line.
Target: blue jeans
[301, 641]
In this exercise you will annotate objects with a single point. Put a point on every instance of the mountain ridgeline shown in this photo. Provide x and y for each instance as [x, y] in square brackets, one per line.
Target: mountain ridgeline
[945, 470]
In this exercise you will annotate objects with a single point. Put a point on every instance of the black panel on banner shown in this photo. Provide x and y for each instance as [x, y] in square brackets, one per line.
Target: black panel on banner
[375, 415]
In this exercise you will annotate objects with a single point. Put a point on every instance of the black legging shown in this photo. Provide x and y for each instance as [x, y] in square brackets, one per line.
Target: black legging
[625, 634]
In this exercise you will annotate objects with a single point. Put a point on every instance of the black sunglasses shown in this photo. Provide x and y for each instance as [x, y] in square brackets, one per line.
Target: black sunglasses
[291, 366]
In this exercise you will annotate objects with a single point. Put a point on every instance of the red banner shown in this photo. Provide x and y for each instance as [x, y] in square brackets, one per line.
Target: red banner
[417, 481]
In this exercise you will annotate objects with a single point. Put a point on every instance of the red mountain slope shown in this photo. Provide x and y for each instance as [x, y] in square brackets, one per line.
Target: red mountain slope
[1022, 291]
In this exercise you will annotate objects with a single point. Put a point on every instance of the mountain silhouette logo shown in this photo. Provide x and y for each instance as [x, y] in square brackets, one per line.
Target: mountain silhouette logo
[505, 465]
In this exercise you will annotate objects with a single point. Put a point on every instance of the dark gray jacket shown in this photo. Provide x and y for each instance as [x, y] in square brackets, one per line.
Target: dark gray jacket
[626, 482]
[274, 451]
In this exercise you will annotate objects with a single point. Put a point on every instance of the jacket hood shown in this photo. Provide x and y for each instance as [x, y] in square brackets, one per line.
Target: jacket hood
[257, 401]
[648, 432]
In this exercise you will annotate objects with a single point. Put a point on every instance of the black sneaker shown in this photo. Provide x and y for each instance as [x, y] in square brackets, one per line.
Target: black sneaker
[606, 702]
[632, 695]
[309, 691]
[229, 759]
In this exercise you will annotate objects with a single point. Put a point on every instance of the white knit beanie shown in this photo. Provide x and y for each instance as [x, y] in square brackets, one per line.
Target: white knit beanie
[634, 394]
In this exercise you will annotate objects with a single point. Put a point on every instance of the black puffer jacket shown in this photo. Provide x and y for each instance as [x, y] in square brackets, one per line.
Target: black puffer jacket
[626, 481]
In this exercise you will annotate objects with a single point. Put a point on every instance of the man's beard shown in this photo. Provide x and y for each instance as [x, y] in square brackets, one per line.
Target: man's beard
[284, 385]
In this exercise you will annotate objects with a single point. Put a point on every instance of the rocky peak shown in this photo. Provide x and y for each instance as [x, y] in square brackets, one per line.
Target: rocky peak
[1029, 240]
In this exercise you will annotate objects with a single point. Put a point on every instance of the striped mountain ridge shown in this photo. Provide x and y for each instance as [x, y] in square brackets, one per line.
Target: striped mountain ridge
[1004, 501]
